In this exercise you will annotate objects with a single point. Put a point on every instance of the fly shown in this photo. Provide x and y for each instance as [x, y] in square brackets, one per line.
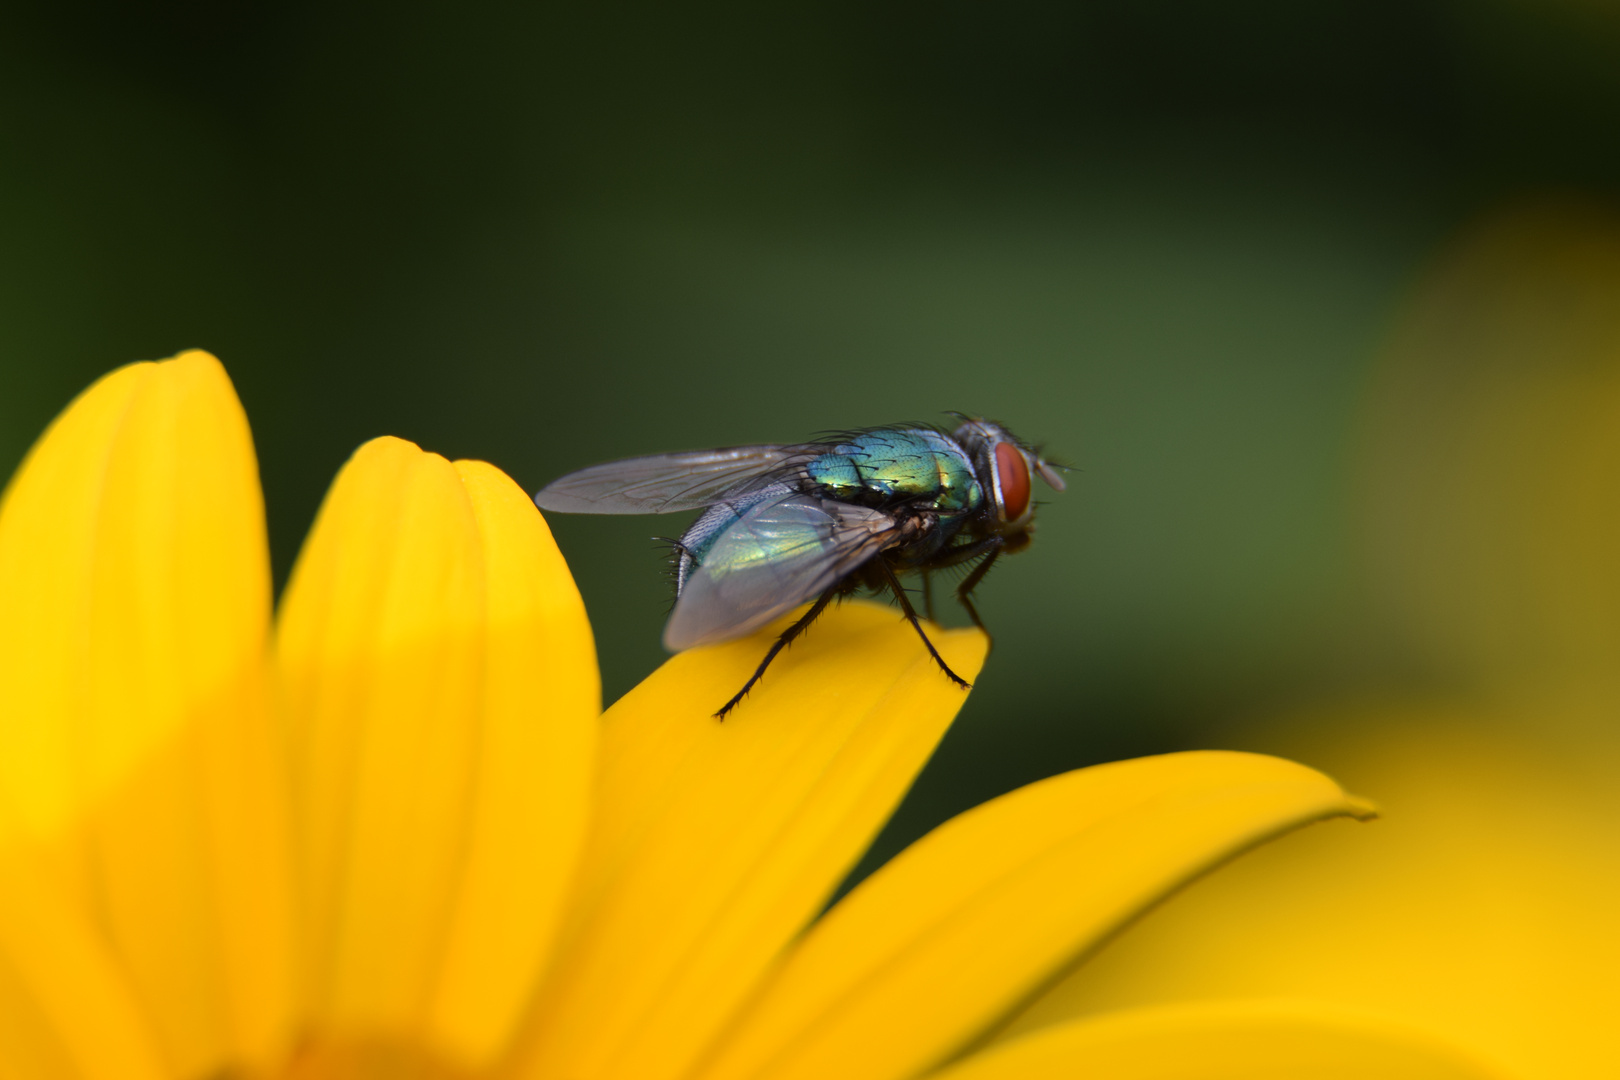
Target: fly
[783, 524]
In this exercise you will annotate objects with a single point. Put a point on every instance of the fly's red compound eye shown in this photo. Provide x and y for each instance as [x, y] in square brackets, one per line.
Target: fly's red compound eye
[1012, 474]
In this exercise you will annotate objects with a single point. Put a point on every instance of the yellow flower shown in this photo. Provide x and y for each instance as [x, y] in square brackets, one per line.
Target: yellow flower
[392, 837]
[1487, 911]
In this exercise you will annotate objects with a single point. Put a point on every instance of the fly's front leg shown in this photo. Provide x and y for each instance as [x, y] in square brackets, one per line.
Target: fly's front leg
[964, 591]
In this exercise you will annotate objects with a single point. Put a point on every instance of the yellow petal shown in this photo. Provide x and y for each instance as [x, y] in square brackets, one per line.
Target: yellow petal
[717, 842]
[441, 692]
[964, 926]
[1482, 908]
[1226, 1041]
[66, 1010]
[137, 753]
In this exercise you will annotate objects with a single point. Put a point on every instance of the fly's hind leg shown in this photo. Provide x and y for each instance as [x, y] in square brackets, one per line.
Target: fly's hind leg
[887, 572]
[777, 646]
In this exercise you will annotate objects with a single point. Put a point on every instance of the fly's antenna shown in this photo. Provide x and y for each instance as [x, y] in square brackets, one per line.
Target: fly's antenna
[1039, 450]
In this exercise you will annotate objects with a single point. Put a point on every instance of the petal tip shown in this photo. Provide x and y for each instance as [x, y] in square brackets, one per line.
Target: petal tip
[1361, 809]
[193, 356]
[391, 447]
[390, 442]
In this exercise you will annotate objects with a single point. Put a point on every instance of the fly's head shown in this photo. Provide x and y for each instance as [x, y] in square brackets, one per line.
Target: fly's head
[1005, 468]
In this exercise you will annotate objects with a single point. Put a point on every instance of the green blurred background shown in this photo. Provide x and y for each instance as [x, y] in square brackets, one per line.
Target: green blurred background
[1164, 239]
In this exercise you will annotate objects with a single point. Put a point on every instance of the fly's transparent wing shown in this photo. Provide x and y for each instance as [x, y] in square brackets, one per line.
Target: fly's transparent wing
[665, 483]
[778, 553]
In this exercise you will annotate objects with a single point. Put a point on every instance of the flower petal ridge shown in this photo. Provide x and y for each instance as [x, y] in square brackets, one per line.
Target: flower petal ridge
[440, 687]
[137, 754]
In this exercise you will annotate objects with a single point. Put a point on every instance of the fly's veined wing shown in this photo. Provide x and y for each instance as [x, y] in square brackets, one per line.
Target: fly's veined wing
[779, 553]
[664, 483]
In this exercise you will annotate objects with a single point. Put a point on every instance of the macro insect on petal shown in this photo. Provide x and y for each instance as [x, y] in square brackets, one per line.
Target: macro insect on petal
[783, 524]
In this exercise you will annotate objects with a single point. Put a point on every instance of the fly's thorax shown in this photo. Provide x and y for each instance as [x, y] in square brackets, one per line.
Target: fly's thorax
[892, 465]
[838, 476]
[922, 535]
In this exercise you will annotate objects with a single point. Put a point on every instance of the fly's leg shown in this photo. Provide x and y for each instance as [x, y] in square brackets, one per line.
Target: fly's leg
[911, 616]
[964, 591]
[777, 646]
[987, 550]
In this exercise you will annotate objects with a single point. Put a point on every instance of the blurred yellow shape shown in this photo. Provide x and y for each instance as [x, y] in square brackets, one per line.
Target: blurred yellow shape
[1225, 1041]
[1490, 467]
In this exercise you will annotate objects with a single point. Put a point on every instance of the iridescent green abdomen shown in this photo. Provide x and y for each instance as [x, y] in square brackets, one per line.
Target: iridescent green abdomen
[700, 539]
[916, 465]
